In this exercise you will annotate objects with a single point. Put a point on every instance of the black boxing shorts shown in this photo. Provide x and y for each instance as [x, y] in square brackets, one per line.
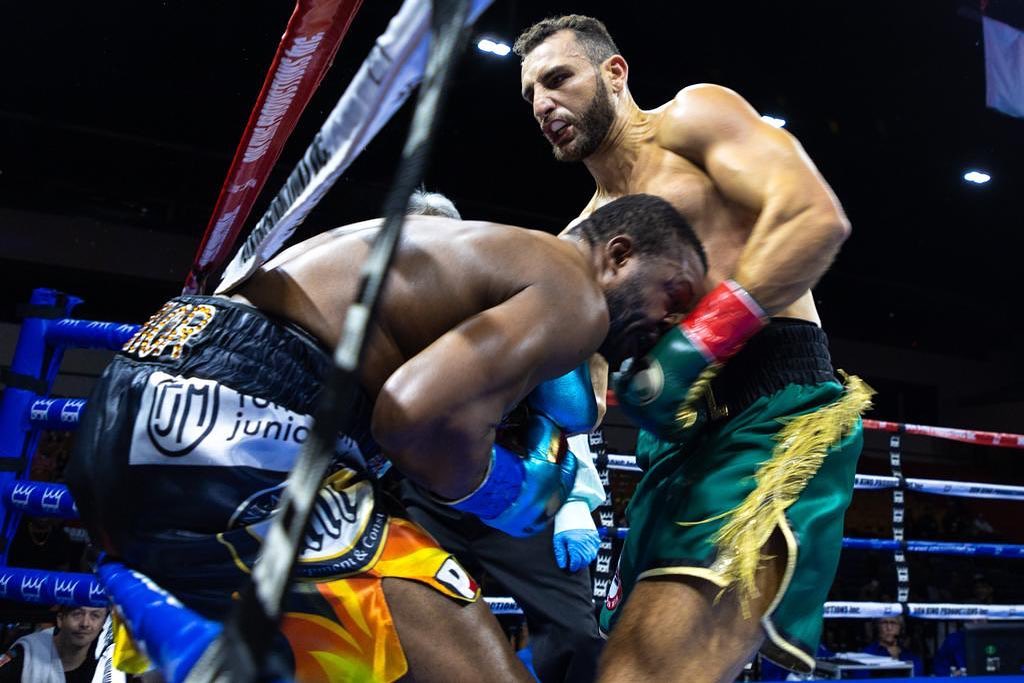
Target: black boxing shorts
[187, 439]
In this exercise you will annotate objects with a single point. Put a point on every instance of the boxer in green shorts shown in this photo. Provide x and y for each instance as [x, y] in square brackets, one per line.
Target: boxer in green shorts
[770, 226]
[773, 464]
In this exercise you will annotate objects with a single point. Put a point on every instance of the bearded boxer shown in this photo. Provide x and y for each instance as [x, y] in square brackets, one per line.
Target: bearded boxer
[190, 432]
[724, 501]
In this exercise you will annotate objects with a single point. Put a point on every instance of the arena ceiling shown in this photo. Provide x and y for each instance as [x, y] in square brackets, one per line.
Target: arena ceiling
[127, 114]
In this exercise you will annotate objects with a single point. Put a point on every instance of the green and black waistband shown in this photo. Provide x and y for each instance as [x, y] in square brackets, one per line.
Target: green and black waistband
[787, 351]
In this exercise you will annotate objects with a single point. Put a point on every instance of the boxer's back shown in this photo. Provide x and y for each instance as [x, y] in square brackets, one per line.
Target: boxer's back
[444, 272]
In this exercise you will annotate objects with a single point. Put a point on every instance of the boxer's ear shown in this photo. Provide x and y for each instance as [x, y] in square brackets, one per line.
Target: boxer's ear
[618, 251]
[615, 71]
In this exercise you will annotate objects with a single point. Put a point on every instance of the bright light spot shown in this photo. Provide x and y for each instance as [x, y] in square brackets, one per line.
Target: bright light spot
[977, 177]
[487, 45]
[778, 123]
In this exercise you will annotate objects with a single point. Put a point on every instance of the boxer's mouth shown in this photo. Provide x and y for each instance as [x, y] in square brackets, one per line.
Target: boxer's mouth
[558, 131]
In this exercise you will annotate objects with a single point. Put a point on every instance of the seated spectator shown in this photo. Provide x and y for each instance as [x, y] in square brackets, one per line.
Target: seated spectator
[58, 654]
[889, 643]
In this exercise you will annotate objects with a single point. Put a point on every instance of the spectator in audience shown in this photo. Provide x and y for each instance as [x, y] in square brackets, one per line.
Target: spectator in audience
[55, 655]
[889, 643]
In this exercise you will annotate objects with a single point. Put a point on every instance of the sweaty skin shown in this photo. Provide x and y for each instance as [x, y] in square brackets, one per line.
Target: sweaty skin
[474, 315]
[765, 215]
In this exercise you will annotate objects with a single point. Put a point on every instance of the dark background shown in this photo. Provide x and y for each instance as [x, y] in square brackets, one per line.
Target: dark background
[121, 118]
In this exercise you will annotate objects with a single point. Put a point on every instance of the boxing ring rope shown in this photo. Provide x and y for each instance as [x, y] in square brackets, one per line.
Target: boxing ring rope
[965, 489]
[864, 610]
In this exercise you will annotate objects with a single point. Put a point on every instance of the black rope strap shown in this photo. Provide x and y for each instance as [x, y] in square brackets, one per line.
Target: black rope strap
[603, 565]
[898, 518]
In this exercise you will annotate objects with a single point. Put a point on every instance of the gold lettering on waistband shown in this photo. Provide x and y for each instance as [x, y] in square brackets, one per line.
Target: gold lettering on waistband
[173, 325]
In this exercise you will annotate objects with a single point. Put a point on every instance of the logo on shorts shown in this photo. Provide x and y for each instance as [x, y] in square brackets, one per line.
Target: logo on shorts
[614, 592]
[182, 413]
[335, 515]
[172, 326]
[452, 576]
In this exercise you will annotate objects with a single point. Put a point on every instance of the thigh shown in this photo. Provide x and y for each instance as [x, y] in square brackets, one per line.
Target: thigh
[445, 641]
[685, 628]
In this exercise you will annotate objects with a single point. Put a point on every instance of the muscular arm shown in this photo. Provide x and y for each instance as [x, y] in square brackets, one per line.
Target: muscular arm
[800, 224]
[436, 415]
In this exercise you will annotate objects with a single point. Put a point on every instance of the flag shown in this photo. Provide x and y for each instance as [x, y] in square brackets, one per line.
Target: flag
[1004, 66]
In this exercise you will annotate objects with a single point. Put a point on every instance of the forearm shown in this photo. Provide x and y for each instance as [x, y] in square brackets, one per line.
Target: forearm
[789, 250]
[447, 454]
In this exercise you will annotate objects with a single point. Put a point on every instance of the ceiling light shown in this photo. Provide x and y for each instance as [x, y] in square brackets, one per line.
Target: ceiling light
[777, 122]
[977, 177]
[494, 47]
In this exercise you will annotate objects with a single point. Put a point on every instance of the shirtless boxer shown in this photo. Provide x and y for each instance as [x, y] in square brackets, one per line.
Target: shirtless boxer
[190, 432]
[723, 501]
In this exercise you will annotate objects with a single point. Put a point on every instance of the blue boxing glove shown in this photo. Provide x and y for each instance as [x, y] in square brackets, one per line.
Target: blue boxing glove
[576, 540]
[568, 400]
[527, 483]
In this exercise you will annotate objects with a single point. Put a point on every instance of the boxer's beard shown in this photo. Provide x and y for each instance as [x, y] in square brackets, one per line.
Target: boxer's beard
[625, 305]
[591, 127]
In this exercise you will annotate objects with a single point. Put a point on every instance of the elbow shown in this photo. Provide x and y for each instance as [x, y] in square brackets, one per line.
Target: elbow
[399, 420]
[832, 223]
[428, 445]
[841, 228]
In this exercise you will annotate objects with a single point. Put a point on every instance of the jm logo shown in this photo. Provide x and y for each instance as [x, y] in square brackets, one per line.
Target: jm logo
[96, 591]
[182, 414]
[4, 581]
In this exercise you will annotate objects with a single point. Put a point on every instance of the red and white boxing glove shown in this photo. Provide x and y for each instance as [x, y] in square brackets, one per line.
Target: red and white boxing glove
[660, 391]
